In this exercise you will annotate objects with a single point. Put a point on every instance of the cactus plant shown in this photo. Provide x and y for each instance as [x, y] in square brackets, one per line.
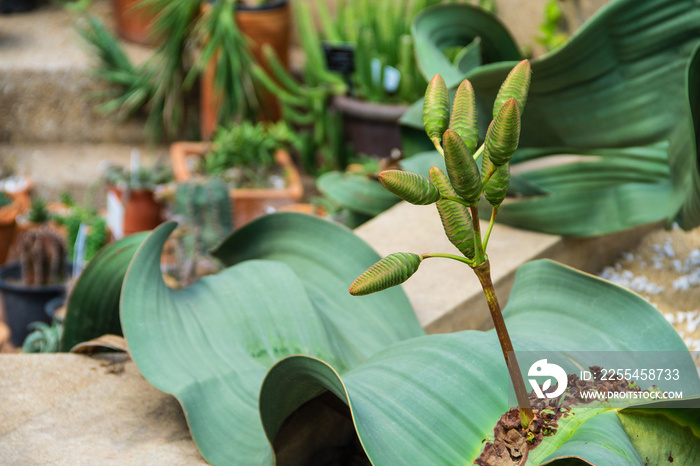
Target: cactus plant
[42, 257]
[203, 208]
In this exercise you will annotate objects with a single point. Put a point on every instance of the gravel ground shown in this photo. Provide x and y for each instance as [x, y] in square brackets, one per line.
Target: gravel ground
[665, 270]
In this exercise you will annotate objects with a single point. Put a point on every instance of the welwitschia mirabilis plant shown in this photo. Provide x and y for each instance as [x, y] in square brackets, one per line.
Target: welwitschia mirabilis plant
[457, 193]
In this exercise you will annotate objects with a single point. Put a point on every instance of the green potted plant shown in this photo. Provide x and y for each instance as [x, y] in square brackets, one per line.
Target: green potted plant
[233, 33]
[381, 77]
[132, 204]
[163, 86]
[40, 213]
[134, 21]
[40, 275]
[244, 154]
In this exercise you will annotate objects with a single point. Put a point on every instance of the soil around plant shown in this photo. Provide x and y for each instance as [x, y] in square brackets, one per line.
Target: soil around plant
[512, 442]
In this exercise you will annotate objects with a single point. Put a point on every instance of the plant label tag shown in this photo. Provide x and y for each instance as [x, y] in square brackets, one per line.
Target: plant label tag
[340, 57]
[115, 215]
[386, 75]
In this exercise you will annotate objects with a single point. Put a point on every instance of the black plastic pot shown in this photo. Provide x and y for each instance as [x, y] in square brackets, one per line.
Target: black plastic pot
[53, 305]
[372, 129]
[16, 6]
[24, 304]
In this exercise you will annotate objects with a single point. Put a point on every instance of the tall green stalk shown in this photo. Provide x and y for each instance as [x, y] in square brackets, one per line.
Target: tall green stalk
[457, 193]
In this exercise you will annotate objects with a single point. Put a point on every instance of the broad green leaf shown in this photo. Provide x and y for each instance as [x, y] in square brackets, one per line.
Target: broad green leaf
[600, 440]
[433, 399]
[663, 435]
[93, 306]
[643, 434]
[684, 154]
[327, 258]
[443, 26]
[356, 192]
[414, 403]
[210, 344]
[469, 57]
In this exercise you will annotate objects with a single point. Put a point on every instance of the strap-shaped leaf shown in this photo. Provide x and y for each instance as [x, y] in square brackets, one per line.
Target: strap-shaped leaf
[390, 271]
[463, 119]
[497, 186]
[455, 217]
[436, 109]
[515, 86]
[410, 187]
[504, 133]
[461, 167]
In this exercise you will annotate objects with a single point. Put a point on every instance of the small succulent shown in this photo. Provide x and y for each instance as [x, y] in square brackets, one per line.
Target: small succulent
[43, 338]
[38, 213]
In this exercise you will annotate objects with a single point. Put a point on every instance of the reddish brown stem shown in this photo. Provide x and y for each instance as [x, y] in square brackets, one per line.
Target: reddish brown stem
[483, 271]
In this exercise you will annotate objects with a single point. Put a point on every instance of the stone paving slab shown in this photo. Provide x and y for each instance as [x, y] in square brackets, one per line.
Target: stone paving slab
[45, 86]
[67, 409]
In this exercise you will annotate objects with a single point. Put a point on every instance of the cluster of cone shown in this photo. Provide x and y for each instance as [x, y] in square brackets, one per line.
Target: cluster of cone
[455, 135]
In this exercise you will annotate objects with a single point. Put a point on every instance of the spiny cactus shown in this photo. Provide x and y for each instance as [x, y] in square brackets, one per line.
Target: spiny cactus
[203, 205]
[42, 257]
[203, 209]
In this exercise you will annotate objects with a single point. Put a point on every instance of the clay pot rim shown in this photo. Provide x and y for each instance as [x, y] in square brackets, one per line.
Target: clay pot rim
[266, 6]
[294, 188]
[14, 270]
[369, 110]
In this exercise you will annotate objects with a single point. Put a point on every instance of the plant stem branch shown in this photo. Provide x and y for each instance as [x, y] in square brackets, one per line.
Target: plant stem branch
[488, 176]
[483, 271]
[438, 147]
[479, 254]
[466, 260]
[494, 212]
[478, 152]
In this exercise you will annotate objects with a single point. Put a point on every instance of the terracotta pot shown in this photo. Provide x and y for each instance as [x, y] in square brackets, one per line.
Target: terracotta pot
[247, 204]
[4, 337]
[24, 225]
[142, 212]
[267, 24]
[371, 128]
[8, 222]
[134, 23]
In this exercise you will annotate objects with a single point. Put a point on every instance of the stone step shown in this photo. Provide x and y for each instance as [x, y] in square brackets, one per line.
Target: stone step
[46, 90]
[71, 167]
